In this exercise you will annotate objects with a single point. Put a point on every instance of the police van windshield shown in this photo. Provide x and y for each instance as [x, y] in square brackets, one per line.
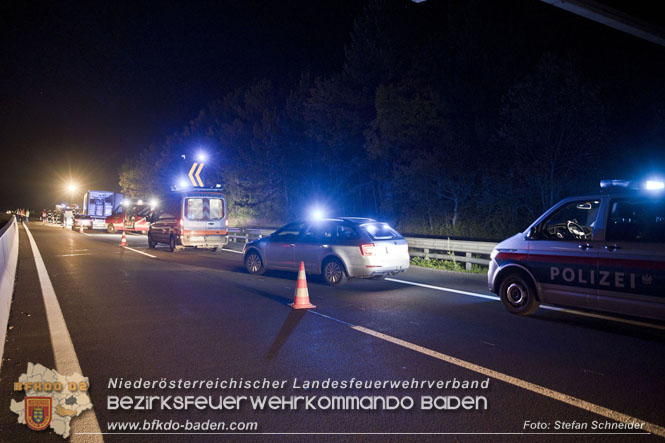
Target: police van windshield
[572, 221]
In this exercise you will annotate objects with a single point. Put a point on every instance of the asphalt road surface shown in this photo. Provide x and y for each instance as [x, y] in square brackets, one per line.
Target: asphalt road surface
[197, 315]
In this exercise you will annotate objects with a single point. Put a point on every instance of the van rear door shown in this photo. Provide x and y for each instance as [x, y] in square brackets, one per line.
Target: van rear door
[204, 215]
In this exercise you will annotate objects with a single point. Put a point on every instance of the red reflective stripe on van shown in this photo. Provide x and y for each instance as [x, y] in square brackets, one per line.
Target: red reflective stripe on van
[511, 256]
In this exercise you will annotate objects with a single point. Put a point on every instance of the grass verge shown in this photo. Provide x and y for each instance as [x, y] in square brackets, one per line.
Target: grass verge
[447, 265]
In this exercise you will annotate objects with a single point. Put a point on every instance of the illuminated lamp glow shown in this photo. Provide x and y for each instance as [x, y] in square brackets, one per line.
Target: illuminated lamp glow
[654, 185]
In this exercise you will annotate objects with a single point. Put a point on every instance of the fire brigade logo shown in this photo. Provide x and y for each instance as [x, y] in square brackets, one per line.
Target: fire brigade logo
[647, 279]
[38, 412]
[52, 400]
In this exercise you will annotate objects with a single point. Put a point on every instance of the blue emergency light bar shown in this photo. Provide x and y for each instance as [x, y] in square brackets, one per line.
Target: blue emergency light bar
[618, 184]
[650, 185]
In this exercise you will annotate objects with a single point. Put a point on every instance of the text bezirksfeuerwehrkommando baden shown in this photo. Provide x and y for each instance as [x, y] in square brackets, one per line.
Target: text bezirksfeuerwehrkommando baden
[295, 383]
[293, 402]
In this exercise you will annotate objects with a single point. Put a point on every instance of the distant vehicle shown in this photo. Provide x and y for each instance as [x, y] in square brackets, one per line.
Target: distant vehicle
[99, 205]
[603, 252]
[337, 248]
[68, 217]
[81, 219]
[190, 219]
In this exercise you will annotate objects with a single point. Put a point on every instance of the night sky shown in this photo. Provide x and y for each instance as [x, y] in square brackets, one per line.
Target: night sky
[84, 85]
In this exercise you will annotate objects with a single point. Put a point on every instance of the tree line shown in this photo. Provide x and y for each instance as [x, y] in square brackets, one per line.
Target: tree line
[442, 120]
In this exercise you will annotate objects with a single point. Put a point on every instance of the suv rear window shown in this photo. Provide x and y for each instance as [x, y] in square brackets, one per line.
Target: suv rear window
[380, 231]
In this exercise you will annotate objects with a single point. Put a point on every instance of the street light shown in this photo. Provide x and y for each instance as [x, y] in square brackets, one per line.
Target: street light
[71, 187]
[201, 157]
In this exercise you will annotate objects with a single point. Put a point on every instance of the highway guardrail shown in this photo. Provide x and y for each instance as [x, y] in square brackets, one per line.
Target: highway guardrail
[465, 251]
[8, 261]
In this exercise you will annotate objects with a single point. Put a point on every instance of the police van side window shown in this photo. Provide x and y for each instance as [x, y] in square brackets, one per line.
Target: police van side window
[636, 220]
[572, 221]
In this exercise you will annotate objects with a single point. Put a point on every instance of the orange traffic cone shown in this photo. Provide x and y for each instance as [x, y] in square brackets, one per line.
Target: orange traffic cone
[81, 228]
[123, 240]
[301, 299]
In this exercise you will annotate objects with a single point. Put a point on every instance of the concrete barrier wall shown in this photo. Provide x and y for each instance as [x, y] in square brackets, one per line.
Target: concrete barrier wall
[8, 261]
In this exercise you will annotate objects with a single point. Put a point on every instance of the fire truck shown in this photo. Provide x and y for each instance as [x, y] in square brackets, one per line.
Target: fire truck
[130, 217]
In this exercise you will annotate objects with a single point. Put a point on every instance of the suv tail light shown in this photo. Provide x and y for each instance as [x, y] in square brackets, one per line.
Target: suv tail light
[226, 222]
[367, 249]
[181, 223]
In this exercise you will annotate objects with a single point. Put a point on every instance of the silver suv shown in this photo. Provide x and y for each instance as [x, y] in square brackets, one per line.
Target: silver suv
[337, 248]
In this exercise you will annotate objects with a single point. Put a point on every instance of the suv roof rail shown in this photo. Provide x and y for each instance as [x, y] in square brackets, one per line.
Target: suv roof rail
[358, 219]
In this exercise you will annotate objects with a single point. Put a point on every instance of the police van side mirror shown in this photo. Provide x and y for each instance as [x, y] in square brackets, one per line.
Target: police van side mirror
[534, 234]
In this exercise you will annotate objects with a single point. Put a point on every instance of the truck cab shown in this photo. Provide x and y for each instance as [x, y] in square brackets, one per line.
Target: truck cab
[115, 222]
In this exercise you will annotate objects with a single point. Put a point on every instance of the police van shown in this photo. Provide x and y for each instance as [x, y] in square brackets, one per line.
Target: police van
[602, 252]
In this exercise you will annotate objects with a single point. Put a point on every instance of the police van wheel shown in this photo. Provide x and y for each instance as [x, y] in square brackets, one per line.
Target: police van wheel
[172, 245]
[110, 228]
[518, 294]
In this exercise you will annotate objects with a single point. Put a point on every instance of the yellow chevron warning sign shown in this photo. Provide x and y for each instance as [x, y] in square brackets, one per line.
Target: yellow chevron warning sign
[196, 175]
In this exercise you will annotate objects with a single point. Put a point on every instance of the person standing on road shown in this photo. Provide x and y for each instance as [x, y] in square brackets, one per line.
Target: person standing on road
[27, 216]
[43, 216]
[21, 215]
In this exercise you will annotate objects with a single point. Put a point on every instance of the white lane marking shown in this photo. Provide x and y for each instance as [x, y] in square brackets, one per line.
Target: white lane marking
[438, 288]
[547, 307]
[231, 250]
[73, 255]
[140, 252]
[541, 390]
[66, 361]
